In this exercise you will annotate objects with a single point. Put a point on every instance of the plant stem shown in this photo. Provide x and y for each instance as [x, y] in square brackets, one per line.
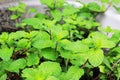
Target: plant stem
[50, 35]
[97, 77]
[66, 64]
[56, 45]
[84, 64]
[114, 65]
[54, 4]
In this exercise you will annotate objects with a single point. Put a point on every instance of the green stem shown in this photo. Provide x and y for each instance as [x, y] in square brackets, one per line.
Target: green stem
[66, 64]
[114, 65]
[56, 45]
[50, 35]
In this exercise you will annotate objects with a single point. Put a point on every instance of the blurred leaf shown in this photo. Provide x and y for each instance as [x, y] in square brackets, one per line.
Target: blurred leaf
[50, 68]
[16, 65]
[32, 74]
[23, 43]
[34, 22]
[49, 53]
[74, 73]
[102, 69]
[49, 3]
[96, 57]
[107, 63]
[6, 53]
[52, 78]
[14, 16]
[69, 10]
[32, 59]
[105, 1]
[65, 54]
[32, 10]
[94, 6]
[3, 77]
[17, 35]
[76, 47]
[57, 15]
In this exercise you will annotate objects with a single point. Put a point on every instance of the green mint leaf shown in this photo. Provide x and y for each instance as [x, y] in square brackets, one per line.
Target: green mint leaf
[50, 68]
[32, 74]
[6, 53]
[23, 43]
[12, 8]
[107, 44]
[96, 57]
[34, 22]
[40, 16]
[102, 69]
[3, 77]
[69, 10]
[49, 23]
[16, 65]
[65, 54]
[107, 63]
[42, 40]
[57, 15]
[74, 73]
[4, 36]
[49, 53]
[17, 35]
[4, 64]
[32, 10]
[32, 59]
[33, 34]
[79, 58]
[52, 78]
[105, 1]
[115, 37]
[40, 44]
[101, 40]
[41, 35]
[53, 4]
[22, 5]
[14, 16]
[59, 3]
[58, 33]
[116, 1]
[49, 3]
[76, 47]
[94, 6]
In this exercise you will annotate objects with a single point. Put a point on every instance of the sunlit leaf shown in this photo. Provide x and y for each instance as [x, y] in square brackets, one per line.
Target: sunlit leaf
[96, 57]
[49, 53]
[74, 73]
[6, 53]
[32, 59]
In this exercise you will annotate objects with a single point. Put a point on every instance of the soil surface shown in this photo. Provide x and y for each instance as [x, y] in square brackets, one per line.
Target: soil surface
[6, 24]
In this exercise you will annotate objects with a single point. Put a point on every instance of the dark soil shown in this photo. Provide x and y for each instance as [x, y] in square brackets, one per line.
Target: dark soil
[6, 24]
[13, 76]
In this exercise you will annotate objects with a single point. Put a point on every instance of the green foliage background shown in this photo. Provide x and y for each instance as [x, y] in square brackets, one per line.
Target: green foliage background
[65, 43]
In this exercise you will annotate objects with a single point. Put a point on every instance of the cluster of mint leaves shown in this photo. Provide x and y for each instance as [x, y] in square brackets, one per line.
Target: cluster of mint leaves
[65, 43]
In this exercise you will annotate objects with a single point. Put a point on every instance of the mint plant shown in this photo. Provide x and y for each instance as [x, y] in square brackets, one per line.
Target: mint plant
[20, 9]
[65, 43]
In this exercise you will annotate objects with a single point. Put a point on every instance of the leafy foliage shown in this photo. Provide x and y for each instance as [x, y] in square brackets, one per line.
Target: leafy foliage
[65, 43]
